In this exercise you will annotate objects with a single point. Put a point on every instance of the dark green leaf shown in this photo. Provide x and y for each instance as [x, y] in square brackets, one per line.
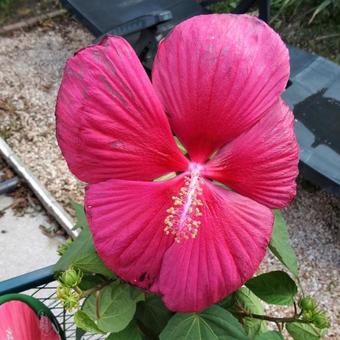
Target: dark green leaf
[251, 303]
[213, 323]
[81, 220]
[135, 293]
[81, 254]
[83, 321]
[116, 307]
[227, 302]
[153, 314]
[272, 335]
[131, 332]
[280, 246]
[79, 333]
[276, 288]
[302, 331]
[91, 280]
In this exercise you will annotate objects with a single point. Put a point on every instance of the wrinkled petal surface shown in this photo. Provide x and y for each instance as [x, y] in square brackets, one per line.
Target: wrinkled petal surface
[262, 163]
[110, 123]
[127, 222]
[216, 76]
[230, 245]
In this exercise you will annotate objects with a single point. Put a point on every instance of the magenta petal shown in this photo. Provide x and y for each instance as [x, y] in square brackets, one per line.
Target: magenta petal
[18, 321]
[216, 76]
[127, 221]
[230, 245]
[110, 123]
[262, 163]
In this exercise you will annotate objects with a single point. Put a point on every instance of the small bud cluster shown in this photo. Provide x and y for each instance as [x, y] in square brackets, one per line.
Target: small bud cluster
[64, 247]
[68, 292]
[71, 277]
[311, 313]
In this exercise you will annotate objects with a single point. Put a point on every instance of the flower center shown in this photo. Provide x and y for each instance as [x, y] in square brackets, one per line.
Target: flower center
[183, 219]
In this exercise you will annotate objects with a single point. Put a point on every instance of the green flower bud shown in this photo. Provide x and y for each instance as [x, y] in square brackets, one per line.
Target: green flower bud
[308, 315]
[71, 301]
[71, 278]
[64, 247]
[320, 320]
[307, 304]
[62, 292]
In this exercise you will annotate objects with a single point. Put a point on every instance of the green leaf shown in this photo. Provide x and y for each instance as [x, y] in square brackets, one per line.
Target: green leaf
[79, 333]
[81, 254]
[131, 332]
[213, 323]
[153, 314]
[302, 331]
[276, 288]
[91, 280]
[83, 321]
[227, 302]
[134, 292]
[280, 246]
[116, 307]
[319, 9]
[271, 335]
[81, 220]
[251, 303]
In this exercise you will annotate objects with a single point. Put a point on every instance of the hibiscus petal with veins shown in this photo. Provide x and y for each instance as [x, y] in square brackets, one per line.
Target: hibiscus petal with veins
[110, 123]
[218, 78]
[262, 163]
[127, 219]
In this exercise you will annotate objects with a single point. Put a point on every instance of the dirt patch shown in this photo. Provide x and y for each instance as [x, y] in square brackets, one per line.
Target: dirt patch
[32, 65]
[12, 11]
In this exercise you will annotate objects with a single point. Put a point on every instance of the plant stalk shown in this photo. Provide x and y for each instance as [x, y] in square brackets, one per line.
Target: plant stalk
[90, 291]
[271, 318]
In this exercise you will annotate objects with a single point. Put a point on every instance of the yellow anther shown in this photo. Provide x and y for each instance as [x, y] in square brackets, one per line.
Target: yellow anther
[182, 219]
[198, 212]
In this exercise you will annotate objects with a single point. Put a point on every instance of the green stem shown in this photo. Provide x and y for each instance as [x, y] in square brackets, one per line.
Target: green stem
[97, 304]
[271, 318]
[90, 291]
[78, 290]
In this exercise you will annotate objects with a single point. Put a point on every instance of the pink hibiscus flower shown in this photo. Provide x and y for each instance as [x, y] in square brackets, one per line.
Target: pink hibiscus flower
[216, 85]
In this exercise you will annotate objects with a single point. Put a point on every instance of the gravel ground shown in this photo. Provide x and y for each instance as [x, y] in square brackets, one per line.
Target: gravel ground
[313, 221]
[31, 64]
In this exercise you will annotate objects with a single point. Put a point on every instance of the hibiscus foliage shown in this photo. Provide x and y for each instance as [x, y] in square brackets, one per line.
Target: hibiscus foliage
[104, 304]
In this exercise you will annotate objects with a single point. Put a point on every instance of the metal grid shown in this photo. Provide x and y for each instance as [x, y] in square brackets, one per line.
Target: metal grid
[47, 294]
